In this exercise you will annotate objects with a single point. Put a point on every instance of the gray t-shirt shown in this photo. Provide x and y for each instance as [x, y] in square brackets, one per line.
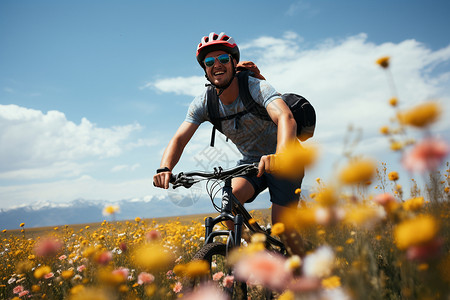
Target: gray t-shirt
[252, 136]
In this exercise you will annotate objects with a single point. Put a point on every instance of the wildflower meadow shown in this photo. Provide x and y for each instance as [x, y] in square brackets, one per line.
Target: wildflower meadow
[368, 236]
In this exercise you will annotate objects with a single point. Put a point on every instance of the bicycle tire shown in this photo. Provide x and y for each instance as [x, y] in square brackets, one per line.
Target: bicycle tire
[215, 254]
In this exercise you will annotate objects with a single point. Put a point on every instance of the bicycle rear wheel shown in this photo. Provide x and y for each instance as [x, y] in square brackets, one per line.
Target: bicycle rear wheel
[215, 254]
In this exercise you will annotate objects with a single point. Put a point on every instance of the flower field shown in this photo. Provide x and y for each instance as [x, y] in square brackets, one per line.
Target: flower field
[367, 237]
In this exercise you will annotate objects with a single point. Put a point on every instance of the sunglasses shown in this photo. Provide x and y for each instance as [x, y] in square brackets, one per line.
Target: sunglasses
[223, 59]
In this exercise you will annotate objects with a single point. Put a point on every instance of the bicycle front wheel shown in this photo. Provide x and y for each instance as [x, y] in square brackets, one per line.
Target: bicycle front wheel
[216, 256]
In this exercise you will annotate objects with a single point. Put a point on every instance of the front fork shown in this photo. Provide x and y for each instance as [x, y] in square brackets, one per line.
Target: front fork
[234, 239]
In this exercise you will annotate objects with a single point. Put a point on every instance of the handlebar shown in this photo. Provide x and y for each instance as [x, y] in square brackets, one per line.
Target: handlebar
[188, 179]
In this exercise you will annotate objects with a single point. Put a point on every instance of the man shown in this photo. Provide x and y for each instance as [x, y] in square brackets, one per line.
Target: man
[256, 139]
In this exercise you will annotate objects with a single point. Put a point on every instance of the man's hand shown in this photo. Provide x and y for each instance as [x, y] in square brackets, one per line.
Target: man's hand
[162, 179]
[266, 164]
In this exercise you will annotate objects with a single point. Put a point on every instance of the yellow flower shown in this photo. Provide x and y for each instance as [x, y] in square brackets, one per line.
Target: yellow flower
[22, 224]
[421, 115]
[326, 197]
[137, 219]
[291, 161]
[42, 271]
[358, 171]
[67, 274]
[331, 282]
[278, 228]
[393, 101]
[350, 241]
[383, 62]
[288, 295]
[447, 189]
[252, 221]
[396, 146]
[80, 292]
[197, 268]
[393, 176]
[413, 204]
[294, 262]
[415, 231]
[152, 257]
[111, 209]
[384, 130]
[298, 191]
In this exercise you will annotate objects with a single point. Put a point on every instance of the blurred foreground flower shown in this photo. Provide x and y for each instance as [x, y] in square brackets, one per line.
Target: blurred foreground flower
[152, 257]
[291, 161]
[387, 201]
[421, 115]
[48, 247]
[263, 268]
[320, 263]
[427, 155]
[110, 210]
[206, 292]
[358, 171]
[417, 231]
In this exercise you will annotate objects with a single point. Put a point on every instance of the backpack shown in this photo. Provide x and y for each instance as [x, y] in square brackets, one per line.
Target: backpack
[303, 112]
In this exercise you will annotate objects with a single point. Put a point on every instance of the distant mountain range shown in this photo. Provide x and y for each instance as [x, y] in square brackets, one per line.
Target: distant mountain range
[84, 211]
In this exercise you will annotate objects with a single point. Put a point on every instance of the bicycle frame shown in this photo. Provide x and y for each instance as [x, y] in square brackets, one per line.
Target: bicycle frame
[225, 214]
[228, 205]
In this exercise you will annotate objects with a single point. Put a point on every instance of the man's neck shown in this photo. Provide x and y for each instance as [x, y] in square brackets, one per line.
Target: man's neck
[231, 93]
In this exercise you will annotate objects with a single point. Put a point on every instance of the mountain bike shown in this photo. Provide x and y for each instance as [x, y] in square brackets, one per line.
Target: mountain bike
[216, 252]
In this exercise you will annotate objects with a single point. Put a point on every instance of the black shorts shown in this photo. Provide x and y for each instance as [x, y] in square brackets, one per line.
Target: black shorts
[282, 191]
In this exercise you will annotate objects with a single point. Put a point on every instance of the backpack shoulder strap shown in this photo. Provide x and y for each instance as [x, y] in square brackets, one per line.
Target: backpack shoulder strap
[250, 104]
[212, 103]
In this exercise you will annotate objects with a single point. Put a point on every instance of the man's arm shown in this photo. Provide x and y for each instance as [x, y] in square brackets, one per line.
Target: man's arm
[282, 116]
[173, 153]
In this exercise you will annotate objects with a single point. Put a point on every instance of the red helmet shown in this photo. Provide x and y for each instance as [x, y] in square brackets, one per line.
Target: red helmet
[215, 42]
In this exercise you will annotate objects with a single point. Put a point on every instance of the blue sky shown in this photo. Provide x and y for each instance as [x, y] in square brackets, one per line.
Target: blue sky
[92, 91]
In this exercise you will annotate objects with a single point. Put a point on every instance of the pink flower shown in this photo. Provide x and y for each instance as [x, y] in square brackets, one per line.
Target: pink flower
[263, 268]
[145, 278]
[153, 235]
[178, 287]
[62, 257]
[81, 268]
[21, 294]
[426, 155]
[18, 289]
[49, 275]
[228, 281]
[47, 247]
[104, 258]
[384, 199]
[425, 252]
[217, 276]
[206, 292]
[123, 272]
[170, 274]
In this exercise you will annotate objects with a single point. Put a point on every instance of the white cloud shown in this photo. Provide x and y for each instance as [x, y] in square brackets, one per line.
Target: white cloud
[45, 145]
[191, 86]
[120, 168]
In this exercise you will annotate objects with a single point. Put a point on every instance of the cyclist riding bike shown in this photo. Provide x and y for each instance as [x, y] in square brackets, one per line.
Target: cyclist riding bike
[256, 139]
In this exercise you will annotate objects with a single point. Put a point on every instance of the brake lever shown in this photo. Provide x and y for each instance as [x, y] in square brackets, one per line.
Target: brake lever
[182, 180]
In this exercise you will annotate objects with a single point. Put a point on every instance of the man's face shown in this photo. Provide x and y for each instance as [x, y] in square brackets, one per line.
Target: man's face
[219, 73]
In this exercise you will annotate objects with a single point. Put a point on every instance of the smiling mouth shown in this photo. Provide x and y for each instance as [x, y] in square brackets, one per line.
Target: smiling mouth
[219, 73]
